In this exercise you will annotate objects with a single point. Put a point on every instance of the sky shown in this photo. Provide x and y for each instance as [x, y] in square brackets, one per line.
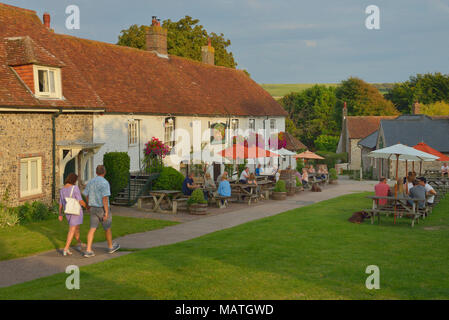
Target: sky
[288, 41]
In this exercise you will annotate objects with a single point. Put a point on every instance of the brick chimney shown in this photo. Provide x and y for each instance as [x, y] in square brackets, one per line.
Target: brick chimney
[416, 108]
[47, 20]
[208, 53]
[157, 37]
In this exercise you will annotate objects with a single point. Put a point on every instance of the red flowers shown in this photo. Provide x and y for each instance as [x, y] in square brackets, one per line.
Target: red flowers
[156, 148]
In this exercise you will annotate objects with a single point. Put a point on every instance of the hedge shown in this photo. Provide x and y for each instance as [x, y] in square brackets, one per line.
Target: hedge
[117, 166]
[169, 179]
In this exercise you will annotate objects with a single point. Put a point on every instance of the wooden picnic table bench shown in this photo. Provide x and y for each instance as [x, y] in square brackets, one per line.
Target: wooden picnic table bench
[239, 190]
[157, 196]
[397, 206]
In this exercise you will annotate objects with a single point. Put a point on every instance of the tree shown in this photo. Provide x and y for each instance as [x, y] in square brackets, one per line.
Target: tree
[426, 88]
[311, 111]
[326, 142]
[363, 99]
[184, 39]
[439, 108]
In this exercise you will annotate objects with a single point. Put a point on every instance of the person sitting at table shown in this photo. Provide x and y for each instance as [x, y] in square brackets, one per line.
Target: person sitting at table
[430, 191]
[305, 177]
[189, 185]
[444, 170]
[311, 169]
[276, 174]
[209, 182]
[224, 174]
[320, 173]
[398, 189]
[382, 190]
[418, 192]
[258, 170]
[409, 182]
[244, 176]
[252, 180]
[224, 189]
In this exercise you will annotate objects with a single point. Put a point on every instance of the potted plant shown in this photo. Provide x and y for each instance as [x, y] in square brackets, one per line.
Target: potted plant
[299, 187]
[280, 191]
[333, 176]
[197, 204]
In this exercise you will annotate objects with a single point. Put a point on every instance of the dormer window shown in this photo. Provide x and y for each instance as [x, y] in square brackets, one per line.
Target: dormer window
[47, 82]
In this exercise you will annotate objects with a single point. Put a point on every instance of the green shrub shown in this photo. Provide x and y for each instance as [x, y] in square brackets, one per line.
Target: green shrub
[298, 182]
[169, 179]
[299, 165]
[8, 216]
[36, 211]
[333, 174]
[196, 197]
[280, 186]
[117, 166]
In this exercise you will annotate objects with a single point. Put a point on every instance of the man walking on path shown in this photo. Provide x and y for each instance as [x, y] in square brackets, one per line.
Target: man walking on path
[97, 193]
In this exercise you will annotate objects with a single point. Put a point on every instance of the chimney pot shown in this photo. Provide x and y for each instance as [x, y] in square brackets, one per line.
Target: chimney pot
[47, 20]
[208, 53]
[156, 39]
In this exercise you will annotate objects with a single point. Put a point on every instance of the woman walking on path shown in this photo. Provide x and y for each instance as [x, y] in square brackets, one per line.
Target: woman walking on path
[71, 190]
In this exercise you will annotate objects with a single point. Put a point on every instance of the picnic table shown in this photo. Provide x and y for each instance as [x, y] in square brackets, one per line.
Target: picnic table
[240, 190]
[159, 195]
[398, 206]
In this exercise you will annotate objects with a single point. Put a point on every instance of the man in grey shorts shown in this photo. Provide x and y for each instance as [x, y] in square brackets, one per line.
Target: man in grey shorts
[97, 193]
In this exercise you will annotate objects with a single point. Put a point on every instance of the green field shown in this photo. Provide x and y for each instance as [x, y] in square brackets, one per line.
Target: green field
[307, 253]
[24, 240]
[280, 90]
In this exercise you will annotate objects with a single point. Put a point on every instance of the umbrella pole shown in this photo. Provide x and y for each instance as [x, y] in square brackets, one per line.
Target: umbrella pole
[413, 166]
[396, 185]
[420, 167]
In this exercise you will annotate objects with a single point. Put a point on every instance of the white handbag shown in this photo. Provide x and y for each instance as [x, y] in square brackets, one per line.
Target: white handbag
[72, 205]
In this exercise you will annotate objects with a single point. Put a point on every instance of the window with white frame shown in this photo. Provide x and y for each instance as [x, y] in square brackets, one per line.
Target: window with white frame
[235, 125]
[252, 124]
[272, 124]
[133, 132]
[169, 131]
[47, 82]
[30, 176]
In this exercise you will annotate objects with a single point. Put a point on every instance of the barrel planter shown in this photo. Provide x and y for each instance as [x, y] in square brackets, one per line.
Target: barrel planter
[290, 181]
[198, 208]
[279, 195]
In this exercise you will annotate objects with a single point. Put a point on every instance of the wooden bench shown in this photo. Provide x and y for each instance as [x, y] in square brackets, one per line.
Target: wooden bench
[218, 199]
[139, 200]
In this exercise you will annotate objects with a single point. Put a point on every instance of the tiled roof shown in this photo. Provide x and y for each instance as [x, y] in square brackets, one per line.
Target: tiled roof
[360, 127]
[23, 50]
[293, 144]
[413, 129]
[122, 79]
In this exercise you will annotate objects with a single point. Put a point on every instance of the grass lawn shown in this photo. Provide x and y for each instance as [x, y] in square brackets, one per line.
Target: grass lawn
[307, 253]
[24, 240]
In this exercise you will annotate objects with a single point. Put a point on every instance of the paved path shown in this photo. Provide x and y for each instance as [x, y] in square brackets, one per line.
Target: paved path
[49, 263]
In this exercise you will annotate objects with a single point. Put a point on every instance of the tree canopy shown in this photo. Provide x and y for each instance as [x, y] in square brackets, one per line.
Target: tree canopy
[426, 88]
[184, 39]
[363, 99]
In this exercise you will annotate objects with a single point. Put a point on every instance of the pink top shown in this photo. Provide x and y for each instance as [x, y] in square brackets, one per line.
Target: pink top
[381, 190]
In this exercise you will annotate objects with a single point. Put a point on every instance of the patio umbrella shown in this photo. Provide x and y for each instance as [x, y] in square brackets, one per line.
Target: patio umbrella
[403, 153]
[308, 155]
[426, 148]
[285, 153]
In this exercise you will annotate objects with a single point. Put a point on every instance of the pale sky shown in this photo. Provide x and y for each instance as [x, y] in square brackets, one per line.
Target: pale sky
[289, 41]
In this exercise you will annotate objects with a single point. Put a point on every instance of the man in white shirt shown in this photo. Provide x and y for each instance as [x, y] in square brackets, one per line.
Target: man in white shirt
[444, 170]
[429, 190]
[244, 175]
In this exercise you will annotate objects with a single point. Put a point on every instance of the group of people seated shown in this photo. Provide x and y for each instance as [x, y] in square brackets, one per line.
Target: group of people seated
[412, 187]
[320, 173]
[445, 170]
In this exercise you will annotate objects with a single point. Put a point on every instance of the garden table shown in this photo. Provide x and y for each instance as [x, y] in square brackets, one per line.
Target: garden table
[398, 206]
[240, 190]
[159, 195]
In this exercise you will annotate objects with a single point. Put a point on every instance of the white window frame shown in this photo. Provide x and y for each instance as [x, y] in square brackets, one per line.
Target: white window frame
[169, 131]
[133, 136]
[57, 94]
[272, 124]
[235, 126]
[252, 124]
[31, 192]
